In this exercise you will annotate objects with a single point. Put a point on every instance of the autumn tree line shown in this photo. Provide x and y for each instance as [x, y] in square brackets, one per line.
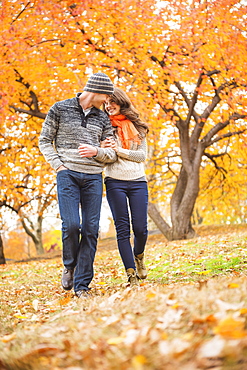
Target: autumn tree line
[184, 66]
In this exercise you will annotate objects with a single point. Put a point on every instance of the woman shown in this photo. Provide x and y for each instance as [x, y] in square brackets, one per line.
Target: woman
[126, 184]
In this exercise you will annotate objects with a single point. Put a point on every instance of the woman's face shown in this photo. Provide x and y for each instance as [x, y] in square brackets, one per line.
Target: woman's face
[111, 107]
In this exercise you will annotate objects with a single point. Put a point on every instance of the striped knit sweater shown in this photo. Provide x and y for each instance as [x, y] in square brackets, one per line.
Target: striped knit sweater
[65, 128]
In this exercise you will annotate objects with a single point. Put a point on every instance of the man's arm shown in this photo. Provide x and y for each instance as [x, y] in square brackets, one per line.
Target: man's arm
[47, 137]
[105, 155]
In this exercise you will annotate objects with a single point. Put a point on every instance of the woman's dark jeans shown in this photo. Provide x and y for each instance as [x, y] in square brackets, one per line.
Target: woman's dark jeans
[79, 192]
[123, 196]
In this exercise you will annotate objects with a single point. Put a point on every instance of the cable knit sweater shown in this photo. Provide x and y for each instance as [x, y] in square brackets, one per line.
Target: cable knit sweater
[130, 163]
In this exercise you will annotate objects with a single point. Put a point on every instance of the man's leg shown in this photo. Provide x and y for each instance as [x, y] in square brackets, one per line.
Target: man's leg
[91, 198]
[69, 200]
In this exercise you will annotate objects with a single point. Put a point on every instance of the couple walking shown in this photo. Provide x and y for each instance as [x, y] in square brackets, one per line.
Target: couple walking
[79, 140]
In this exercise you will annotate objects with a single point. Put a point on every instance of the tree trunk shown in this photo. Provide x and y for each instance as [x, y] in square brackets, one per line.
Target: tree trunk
[2, 258]
[159, 221]
[38, 246]
[182, 229]
[34, 231]
[182, 205]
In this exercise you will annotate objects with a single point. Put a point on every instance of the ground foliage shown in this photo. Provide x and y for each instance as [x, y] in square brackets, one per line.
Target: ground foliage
[191, 312]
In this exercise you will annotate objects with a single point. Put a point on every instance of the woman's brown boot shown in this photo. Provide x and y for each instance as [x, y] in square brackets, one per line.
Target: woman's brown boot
[141, 269]
[133, 279]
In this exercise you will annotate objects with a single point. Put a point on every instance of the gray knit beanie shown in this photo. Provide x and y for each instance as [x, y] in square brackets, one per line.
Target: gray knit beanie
[99, 83]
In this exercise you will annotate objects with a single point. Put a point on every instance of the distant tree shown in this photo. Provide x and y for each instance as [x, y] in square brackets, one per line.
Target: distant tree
[2, 257]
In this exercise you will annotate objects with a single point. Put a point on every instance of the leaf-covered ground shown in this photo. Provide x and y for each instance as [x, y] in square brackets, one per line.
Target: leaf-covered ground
[191, 312]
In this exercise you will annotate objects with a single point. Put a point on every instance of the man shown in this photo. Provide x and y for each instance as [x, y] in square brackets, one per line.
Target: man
[70, 124]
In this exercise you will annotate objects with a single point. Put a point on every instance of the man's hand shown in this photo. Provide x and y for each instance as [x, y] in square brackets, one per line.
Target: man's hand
[86, 150]
[61, 168]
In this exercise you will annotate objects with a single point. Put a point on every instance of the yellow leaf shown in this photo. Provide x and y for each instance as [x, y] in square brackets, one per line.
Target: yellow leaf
[230, 328]
[150, 295]
[115, 340]
[176, 305]
[19, 316]
[204, 272]
[138, 361]
[164, 336]
[233, 285]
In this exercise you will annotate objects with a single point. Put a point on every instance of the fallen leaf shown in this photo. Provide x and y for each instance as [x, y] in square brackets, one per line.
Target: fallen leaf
[64, 301]
[137, 362]
[35, 304]
[212, 348]
[115, 340]
[225, 306]
[18, 316]
[150, 295]
[243, 311]
[8, 338]
[233, 285]
[230, 328]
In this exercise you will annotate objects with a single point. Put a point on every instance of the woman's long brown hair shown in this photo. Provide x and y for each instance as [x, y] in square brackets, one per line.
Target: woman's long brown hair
[129, 111]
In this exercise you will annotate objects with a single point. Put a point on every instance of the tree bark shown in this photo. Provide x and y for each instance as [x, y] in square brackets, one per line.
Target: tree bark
[2, 257]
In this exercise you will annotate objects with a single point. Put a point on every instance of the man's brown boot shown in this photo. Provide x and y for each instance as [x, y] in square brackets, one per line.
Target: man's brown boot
[132, 277]
[141, 269]
[67, 279]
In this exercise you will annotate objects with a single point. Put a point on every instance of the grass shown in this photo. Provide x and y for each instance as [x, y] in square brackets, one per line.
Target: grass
[191, 312]
[203, 257]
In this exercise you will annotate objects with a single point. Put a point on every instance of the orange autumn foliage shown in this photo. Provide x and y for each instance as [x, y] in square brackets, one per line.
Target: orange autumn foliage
[183, 65]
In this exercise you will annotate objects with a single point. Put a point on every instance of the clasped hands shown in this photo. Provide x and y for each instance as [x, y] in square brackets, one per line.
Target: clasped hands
[87, 150]
[109, 142]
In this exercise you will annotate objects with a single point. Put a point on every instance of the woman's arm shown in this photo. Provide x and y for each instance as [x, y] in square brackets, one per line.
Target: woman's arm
[138, 155]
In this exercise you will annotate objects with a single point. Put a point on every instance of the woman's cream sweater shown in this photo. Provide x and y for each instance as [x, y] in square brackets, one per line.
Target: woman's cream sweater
[129, 164]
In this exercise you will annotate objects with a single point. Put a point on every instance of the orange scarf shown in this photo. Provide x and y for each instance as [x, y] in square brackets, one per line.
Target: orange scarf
[126, 130]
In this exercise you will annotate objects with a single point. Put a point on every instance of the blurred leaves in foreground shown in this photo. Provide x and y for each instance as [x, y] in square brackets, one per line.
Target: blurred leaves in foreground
[182, 320]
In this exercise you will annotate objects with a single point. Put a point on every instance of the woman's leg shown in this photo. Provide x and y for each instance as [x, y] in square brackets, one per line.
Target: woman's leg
[116, 191]
[138, 201]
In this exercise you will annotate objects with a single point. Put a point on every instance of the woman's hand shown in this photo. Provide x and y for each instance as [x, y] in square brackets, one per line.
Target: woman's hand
[87, 150]
[109, 143]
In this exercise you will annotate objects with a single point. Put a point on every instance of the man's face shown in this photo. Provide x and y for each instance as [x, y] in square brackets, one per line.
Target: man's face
[99, 99]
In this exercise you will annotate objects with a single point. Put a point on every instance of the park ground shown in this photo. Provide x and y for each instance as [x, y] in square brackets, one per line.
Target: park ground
[190, 313]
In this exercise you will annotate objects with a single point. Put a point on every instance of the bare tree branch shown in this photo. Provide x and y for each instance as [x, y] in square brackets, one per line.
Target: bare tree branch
[25, 8]
[207, 140]
[33, 113]
[211, 157]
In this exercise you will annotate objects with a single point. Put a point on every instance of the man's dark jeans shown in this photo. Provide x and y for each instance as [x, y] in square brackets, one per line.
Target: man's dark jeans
[122, 196]
[79, 192]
